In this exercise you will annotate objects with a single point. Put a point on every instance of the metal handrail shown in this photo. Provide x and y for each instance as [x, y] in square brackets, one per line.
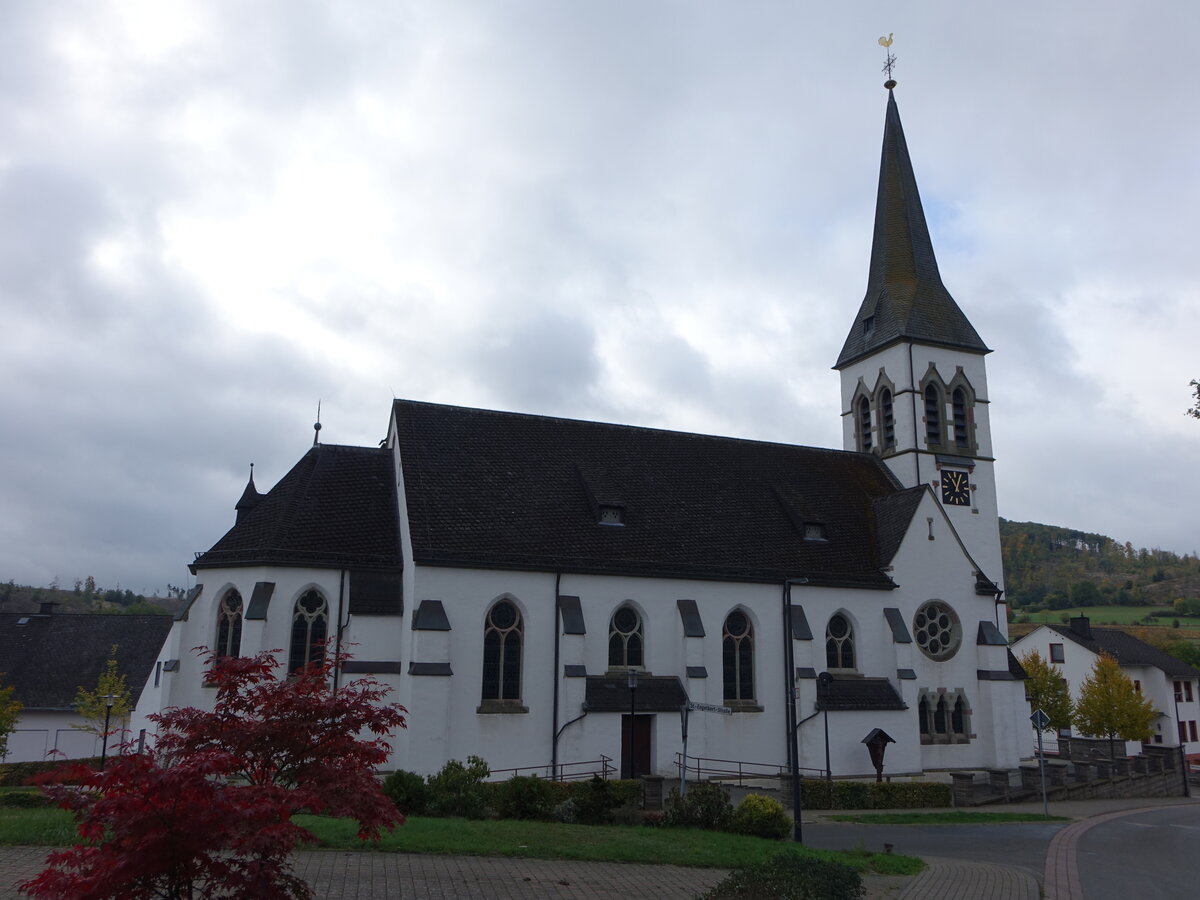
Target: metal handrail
[601, 768]
[702, 766]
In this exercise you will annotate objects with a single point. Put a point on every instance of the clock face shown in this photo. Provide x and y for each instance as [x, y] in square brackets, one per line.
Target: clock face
[956, 491]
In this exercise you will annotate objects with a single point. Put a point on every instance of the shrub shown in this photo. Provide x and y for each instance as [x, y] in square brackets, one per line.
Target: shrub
[408, 791]
[21, 773]
[458, 789]
[706, 805]
[790, 877]
[525, 797]
[762, 817]
[594, 800]
[23, 800]
[566, 812]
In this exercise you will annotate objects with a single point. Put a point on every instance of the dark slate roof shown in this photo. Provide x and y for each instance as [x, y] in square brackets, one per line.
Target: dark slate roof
[853, 692]
[905, 296]
[655, 693]
[336, 508]
[501, 489]
[1015, 669]
[50, 657]
[1127, 650]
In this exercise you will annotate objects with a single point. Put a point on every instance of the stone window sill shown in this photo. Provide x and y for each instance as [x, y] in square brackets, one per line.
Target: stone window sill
[501, 707]
[743, 706]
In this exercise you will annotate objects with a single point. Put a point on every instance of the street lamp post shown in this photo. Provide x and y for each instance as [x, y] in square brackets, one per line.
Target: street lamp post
[633, 679]
[108, 705]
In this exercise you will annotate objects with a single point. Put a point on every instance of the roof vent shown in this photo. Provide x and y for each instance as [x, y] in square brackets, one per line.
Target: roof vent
[611, 513]
[814, 531]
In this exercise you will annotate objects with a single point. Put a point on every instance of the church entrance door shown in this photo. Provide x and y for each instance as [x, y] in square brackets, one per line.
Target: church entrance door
[639, 733]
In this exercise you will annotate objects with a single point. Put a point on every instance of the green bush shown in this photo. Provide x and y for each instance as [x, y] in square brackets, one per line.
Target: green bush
[458, 789]
[872, 795]
[594, 800]
[525, 797]
[23, 800]
[790, 877]
[763, 817]
[408, 791]
[706, 805]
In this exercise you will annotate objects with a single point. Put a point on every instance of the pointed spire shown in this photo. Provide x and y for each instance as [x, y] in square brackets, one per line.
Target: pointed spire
[250, 497]
[905, 296]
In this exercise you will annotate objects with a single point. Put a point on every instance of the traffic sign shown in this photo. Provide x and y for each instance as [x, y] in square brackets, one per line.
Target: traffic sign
[1039, 719]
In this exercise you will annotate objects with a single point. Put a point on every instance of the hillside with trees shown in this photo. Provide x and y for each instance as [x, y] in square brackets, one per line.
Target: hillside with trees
[85, 596]
[1051, 567]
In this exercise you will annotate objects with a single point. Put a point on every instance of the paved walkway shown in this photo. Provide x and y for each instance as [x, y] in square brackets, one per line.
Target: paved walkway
[343, 875]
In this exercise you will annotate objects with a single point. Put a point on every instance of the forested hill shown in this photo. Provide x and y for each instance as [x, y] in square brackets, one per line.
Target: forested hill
[1054, 567]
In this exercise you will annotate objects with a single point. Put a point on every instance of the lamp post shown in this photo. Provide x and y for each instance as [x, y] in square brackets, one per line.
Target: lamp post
[633, 678]
[108, 705]
[793, 745]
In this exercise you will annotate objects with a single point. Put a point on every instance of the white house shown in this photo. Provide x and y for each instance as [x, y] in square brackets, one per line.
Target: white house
[505, 573]
[1171, 685]
[47, 657]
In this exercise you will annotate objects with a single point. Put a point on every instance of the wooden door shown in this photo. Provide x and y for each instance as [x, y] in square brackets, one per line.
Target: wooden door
[642, 726]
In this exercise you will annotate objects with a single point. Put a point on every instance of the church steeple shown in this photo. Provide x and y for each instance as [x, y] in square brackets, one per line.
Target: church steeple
[905, 297]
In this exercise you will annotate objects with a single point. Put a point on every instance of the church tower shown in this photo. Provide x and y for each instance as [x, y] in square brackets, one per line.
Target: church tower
[914, 386]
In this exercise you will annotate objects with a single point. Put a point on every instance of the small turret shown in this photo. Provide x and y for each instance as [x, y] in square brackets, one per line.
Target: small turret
[250, 497]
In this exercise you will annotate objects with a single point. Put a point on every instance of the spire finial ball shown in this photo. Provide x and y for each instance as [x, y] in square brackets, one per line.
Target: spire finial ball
[889, 84]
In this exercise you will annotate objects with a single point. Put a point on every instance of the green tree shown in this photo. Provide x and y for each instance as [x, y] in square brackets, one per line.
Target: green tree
[10, 711]
[1109, 706]
[1047, 690]
[92, 706]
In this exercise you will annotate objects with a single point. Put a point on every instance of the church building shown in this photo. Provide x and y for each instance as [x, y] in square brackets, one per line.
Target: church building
[553, 592]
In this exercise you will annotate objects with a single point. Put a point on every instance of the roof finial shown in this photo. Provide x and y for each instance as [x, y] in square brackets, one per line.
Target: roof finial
[317, 424]
[886, 43]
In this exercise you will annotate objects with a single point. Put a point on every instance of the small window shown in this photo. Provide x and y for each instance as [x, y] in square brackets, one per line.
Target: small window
[888, 419]
[626, 641]
[229, 624]
[737, 658]
[868, 326]
[839, 643]
[1178, 691]
[1182, 731]
[1056, 653]
[1187, 691]
[1137, 686]
[1192, 730]
[814, 531]
[933, 416]
[502, 638]
[158, 673]
[864, 424]
[961, 434]
[310, 625]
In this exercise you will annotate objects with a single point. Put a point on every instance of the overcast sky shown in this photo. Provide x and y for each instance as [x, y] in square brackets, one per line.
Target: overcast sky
[214, 214]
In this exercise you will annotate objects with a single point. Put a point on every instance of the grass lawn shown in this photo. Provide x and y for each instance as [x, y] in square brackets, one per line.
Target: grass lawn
[945, 818]
[538, 840]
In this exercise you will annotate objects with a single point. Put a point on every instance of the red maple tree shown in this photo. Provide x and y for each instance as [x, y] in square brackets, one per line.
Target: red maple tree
[208, 813]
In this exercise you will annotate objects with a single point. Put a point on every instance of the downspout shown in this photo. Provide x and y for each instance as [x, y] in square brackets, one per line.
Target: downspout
[554, 724]
[340, 627]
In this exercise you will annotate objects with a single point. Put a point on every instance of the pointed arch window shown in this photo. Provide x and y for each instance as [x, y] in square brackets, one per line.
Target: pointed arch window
[933, 415]
[864, 424]
[887, 417]
[310, 627]
[626, 641]
[503, 636]
[839, 643]
[962, 439]
[229, 624]
[923, 718]
[737, 658]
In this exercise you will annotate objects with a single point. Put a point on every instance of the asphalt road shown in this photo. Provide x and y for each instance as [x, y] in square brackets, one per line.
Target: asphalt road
[1153, 855]
[1022, 845]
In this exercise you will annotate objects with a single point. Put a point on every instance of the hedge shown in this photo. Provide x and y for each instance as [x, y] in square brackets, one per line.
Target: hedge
[18, 773]
[873, 795]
